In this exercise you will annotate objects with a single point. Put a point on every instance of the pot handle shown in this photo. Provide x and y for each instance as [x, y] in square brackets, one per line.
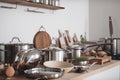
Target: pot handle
[14, 39]
[42, 28]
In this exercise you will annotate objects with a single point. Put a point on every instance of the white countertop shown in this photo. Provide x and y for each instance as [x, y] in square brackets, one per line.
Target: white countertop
[94, 70]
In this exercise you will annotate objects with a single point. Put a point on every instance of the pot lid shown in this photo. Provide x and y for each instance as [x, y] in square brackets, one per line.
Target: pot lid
[76, 47]
[55, 48]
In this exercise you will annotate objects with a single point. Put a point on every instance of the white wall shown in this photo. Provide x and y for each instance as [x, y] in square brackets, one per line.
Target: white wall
[18, 22]
[99, 11]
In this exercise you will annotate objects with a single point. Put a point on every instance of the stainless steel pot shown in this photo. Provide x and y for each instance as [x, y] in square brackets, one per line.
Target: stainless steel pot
[12, 48]
[57, 54]
[112, 47]
[19, 45]
[54, 53]
[76, 51]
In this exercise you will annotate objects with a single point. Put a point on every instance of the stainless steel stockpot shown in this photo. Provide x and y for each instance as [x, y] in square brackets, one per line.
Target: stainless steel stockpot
[57, 54]
[76, 51]
[114, 47]
[54, 53]
[11, 48]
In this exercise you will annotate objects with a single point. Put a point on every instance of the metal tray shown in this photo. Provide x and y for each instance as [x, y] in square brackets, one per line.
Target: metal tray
[48, 73]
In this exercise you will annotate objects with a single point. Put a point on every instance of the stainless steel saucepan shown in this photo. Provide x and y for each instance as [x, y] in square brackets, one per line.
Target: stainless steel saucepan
[54, 53]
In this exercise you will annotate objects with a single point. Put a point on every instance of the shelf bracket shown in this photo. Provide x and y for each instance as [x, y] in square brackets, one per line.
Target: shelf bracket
[35, 11]
[9, 7]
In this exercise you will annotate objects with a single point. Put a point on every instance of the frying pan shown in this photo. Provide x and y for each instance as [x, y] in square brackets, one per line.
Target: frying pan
[42, 39]
[83, 68]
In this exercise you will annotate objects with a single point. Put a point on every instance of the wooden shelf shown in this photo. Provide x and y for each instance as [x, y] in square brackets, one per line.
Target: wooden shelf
[33, 4]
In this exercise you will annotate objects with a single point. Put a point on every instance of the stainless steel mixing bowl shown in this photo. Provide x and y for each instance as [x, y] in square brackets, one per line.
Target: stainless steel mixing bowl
[26, 59]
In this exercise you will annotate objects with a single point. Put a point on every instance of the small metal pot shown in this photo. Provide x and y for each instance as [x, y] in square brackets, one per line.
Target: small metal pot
[114, 48]
[76, 51]
[55, 53]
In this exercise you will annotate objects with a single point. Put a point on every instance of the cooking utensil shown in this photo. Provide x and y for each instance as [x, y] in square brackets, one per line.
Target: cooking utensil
[59, 64]
[76, 51]
[83, 68]
[112, 47]
[48, 73]
[11, 49]
[19, 45]
[53, 53]
[27, 59]
[42, 39]
[57, 54]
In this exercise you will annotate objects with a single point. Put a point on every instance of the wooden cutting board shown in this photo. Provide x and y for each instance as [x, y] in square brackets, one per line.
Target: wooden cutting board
[42, 40]
[101, 60]
[62, 42]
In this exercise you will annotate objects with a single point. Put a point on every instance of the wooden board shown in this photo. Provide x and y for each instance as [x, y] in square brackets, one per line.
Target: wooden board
[62, 42]
[42, 40]
[101, 60]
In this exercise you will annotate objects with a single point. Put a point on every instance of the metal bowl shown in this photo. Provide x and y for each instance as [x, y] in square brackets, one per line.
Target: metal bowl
[27, 59]
[48, 73]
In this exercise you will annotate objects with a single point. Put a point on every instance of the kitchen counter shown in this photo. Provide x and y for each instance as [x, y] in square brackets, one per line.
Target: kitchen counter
[80, 76]
[94, 70]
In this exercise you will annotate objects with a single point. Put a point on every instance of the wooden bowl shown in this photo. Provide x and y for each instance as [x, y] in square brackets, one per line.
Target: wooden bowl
[59, 64]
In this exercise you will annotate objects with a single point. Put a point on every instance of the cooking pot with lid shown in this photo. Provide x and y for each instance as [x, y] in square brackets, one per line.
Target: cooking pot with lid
[19, 45]
[76, 51]
[57, 54]
[11, 48]
[114, 48]
[54, 53]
